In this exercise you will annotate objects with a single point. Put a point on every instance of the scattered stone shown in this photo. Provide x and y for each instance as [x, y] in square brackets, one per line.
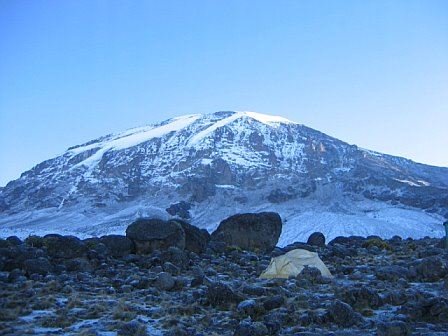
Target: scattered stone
[394, 328]
[361, 298]
[394, 273]
[249, 328]
[220, 294]
[392, 291]
[272, 302]
[249, 307]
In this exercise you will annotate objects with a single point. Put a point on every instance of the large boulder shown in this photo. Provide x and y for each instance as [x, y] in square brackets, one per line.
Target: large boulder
[316, 239]
[196, 240]
[250, 231]
[39, 265]
[118, 246]
[65, 247]
[149, 235]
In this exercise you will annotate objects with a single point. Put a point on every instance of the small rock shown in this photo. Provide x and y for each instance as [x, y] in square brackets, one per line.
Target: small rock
[165, 281]
[78, 265]
[431, 269]
[394, 328]
[311, 275]
[394, 273]
[274, 320]
[361, 298]
[249, 328]
[219, 293]
[343, 314]
[37, 266]
[254, 290]
[272, 302]
[248, 307]
[170, 268]
[316, 239]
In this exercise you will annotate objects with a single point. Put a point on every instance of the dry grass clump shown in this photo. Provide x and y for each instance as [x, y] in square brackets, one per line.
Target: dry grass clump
[123, 311]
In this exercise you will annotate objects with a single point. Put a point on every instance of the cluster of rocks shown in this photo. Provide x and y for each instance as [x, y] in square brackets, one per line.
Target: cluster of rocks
[170, 278]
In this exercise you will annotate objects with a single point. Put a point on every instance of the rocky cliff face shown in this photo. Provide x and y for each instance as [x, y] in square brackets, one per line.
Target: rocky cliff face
[198, 164]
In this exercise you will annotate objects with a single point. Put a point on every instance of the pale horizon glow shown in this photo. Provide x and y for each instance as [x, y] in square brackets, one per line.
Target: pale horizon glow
[370, 73]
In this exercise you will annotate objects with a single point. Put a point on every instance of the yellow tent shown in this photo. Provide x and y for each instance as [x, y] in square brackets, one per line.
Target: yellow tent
[292, 263]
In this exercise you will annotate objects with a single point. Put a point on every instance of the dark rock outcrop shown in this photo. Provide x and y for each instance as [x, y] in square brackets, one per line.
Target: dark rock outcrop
[118, 246]
[196, 240]
[149, 235]
[39, 265]
[180, 209]
[65, 247]
[250, 231]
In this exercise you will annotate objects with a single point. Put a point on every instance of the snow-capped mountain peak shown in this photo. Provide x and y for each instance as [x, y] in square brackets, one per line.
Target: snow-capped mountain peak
[206, 167]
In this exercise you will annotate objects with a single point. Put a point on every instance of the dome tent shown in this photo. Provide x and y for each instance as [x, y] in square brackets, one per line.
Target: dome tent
[292, 263]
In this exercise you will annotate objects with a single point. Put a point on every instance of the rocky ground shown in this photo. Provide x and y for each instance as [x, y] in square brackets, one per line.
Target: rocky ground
[63, 285]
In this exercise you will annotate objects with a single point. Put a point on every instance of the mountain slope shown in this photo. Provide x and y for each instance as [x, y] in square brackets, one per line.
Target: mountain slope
[207, 167]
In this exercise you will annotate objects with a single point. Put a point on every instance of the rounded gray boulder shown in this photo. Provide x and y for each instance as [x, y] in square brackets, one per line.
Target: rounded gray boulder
[149, 235]
[250, 231]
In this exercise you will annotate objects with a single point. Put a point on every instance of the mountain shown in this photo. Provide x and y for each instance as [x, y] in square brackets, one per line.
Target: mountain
[204, 168]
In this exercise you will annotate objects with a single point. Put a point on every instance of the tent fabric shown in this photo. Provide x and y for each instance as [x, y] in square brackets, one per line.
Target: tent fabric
[292, 263]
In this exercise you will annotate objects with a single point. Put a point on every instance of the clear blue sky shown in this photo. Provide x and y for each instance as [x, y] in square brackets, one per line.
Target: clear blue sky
[372, 73]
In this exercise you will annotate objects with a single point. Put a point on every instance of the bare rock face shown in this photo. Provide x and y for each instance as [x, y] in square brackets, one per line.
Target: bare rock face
[196, 240]
[118, 246]
[155, 234]
[250, 231]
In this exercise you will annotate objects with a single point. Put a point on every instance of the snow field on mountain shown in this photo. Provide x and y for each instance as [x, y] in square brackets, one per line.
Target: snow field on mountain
[133, 138]
[226, 163]
[360, 218]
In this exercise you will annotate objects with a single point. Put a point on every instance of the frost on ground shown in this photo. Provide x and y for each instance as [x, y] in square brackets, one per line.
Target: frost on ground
[378, 286]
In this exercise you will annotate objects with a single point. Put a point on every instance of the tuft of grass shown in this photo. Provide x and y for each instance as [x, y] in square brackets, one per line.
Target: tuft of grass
[123, 311]
[9, 314]
[376, 242]
[35, 241]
